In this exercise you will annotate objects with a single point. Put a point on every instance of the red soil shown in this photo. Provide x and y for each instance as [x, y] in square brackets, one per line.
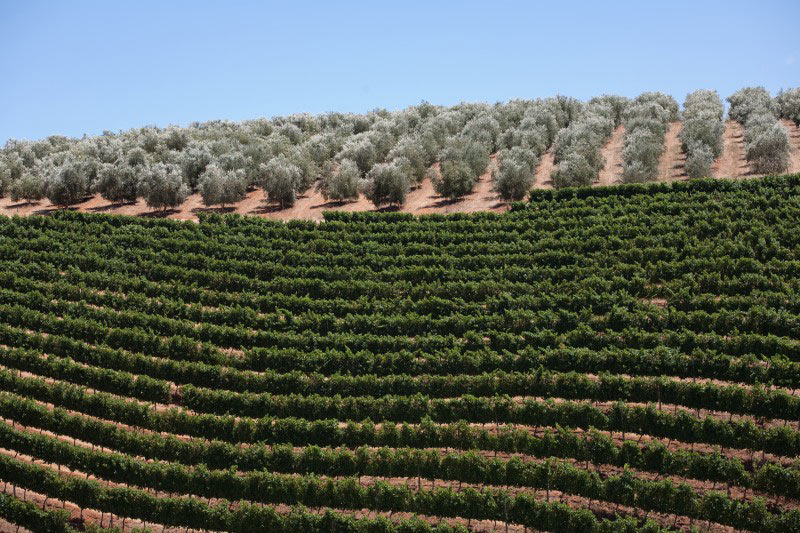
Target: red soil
[673, 160]
[546, 166]
[731, 163]
[612, 152]
[794, 142]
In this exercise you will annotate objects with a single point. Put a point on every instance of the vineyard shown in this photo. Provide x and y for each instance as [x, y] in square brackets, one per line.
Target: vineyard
[607, 359]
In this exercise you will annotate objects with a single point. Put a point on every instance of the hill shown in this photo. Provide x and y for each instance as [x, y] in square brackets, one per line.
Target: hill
[424, 159]
[598, 359]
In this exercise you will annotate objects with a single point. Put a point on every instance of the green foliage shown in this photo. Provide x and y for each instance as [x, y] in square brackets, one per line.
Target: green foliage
[69, 183]
[789, 104]
[646, 120]
[574, 171]
[767, 141]
[343, 183]
[218, 186]
[118, 183]
[162, 186]
[282, 180]
[28, 187]
[387, 183]
[516, 173]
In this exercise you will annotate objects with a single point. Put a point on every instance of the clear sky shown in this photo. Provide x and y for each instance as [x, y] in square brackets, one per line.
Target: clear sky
[83, 67]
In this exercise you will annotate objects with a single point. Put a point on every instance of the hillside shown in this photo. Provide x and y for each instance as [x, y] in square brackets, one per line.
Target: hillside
[426, 159]
[600, 359]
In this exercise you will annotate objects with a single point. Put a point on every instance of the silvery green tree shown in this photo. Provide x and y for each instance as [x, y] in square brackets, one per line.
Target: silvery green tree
[361, 150]
[748, 101]
[176, 138]
[280, 178]
[162, 186]
[292, 132]
[117, 182]
[219, 186]
[323, 147]
[646, 121]
[342, 184]
[767, 141]
[462, 161]
[699, 159]
[768, 150]
[641, 153]
[310, 172]
[5, 177]
[617, 106]
[577, 147]
[701, 135]
[193, 162]
[68, 181]
[28, 187]
[515, 175]
[788, 102]
[454, 179]
[484, 129]
[386, 184]
[472, 152]
[574, 170]
[418, 155]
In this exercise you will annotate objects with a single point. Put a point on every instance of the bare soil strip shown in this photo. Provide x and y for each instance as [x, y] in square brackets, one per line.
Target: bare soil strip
[671, 167]
[612, 152]
[544, 170]
[794, 143]
[731, 163]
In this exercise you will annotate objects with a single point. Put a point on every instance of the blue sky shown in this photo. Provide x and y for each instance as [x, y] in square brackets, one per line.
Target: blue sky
[83, 67]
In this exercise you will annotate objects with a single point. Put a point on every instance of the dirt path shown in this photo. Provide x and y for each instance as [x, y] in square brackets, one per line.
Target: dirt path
[612, 152]
[731, 163]
[673, 160]
[794, 142]
[544, 170]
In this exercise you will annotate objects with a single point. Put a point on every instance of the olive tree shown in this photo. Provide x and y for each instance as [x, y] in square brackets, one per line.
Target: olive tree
[462, 161]
[789, 104]
[413, 149]
[219, 186]
[69, 182]
[748, 101]
[617, 105]
[699, 158]
[646, 121]
[386, 183]
[701, 135]
[767, 141]
[280, 178]
[361, 150]
[454, 179]
[768, 150]
[484, 129]
[193, 162]
[641, 154]
[28, 187]
[342, 183]
[117, 182]
[573, 171]
[516, 173]
[162, 186]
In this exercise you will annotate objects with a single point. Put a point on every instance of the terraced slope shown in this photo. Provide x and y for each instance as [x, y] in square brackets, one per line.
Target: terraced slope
[602, 359]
